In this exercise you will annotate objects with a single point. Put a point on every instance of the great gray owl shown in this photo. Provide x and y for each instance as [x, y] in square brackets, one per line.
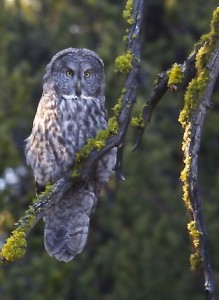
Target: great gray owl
[70, 112]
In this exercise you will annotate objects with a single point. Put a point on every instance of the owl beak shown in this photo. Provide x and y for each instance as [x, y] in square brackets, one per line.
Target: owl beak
[78, 85]
[78, 89]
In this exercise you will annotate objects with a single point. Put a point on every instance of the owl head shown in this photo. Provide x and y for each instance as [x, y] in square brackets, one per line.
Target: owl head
[75, 73]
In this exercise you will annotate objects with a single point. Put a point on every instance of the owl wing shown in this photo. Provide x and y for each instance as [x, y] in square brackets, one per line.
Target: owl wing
[45, 148]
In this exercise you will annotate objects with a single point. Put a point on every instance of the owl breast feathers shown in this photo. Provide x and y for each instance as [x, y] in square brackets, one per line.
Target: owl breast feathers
[70, 112]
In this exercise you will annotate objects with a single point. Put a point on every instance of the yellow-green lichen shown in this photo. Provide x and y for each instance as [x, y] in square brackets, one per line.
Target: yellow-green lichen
[125, 38]
[175, 76]
[96, 143]
[123, 63]
[99, 141]
[29, 218]
[127, 13]
[117, 107]
[195, 91]
[113, 126]
[209, 41]
[202, 56]
[195, 261]
[26, 222]
[215, 24]
[15, 246]
[194, 234]
[184, 177]
[197, 86]
[186, 197]
[138, 122]
[48, 189]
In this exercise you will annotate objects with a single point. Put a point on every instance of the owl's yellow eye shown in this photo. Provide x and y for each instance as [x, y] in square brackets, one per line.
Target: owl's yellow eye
[69, 73]
[87, 74]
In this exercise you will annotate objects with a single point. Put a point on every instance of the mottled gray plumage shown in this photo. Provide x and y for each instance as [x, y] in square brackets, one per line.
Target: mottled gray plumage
[70, 112]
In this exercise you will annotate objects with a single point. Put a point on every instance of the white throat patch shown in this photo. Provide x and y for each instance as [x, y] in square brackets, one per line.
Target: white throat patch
[74, 97]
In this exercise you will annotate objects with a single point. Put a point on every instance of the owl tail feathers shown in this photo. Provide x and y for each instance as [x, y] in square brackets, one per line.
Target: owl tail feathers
[64, 243]
[67, 223]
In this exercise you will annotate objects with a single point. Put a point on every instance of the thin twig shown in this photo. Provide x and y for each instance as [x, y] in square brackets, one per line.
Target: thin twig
[160, 88]
[148, 108]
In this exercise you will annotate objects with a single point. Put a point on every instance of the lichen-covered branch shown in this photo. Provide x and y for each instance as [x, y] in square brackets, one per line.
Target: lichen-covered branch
[197, 101]
[87, 157]
[15, 246]
[174, 79]
[200, 70]
[127, 100]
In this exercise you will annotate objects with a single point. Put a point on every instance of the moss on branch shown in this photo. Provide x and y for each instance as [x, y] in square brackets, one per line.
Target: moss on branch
[123, 63]
[15, 246]
[194, 233]
[194, 93]
[196, 261]
[175, 77]
[98, 142]
[127, 13]
[138, 122]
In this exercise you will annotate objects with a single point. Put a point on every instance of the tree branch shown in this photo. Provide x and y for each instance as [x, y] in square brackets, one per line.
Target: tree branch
[160, 88]
[197, 120]
[197, 101]
[128, 97]
[54, 193]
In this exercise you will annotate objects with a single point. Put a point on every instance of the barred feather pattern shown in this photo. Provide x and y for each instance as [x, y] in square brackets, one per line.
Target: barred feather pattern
[67, 223]
[60, 129]
[64, 121]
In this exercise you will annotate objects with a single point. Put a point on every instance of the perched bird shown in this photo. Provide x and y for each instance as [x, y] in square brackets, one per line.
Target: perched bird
[71, 111]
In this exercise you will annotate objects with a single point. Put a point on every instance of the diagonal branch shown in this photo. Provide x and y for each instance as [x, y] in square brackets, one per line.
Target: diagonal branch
[161, 87]
[54, 193]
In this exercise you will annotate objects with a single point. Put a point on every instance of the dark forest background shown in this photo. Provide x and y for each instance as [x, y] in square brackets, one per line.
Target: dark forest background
[138, 246]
